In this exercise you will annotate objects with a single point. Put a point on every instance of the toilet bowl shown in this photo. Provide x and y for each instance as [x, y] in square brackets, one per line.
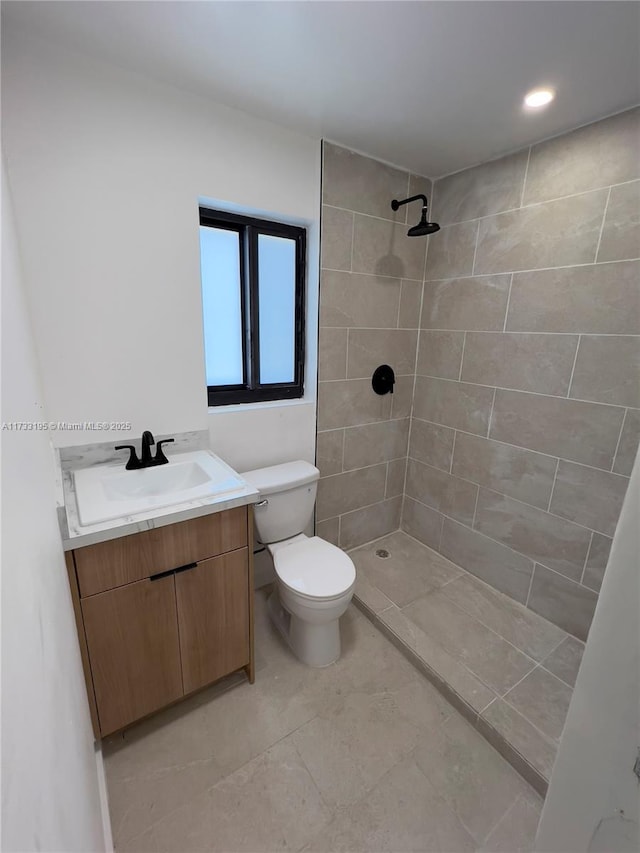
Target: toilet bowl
[314, 579]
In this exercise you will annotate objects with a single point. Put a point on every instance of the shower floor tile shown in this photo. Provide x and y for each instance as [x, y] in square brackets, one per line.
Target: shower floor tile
[509, 671]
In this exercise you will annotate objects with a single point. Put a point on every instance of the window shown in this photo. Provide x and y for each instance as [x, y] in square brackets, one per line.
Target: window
[253, 273]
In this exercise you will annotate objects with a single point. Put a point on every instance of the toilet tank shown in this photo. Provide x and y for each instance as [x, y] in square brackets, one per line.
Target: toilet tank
[290, 491]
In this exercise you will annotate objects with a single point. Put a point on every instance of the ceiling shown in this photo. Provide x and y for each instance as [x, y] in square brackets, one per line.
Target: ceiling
[430, 86]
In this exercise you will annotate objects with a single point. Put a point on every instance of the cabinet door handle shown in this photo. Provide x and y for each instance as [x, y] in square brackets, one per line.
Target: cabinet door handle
[185, 568]
[173, 572]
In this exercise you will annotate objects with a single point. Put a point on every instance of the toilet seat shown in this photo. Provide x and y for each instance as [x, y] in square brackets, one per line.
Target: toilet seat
[313, 568]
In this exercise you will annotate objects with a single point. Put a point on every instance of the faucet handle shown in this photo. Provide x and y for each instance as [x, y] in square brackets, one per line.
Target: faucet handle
[134, 462]
[160, 458]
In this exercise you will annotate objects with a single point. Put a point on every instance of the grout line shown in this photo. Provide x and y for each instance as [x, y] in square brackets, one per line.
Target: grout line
[526, 174]
[526, 601]
[475, 510]
[464, 343]
[506, 313]
[513, 391]
[399, 306]
[544, 668]
[573, 367]
[402, 277]
[553, 486]
[586, 559]
[475, 249]
[530, 269]
[604, 217]
[615, 452]
[493, 402]
[509, 331]
[453, 449]
[520, 680]
[344, 442]
[551, 741]
[346, 365]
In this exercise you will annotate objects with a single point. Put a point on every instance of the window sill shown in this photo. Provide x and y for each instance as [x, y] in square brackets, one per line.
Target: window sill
[252, 407]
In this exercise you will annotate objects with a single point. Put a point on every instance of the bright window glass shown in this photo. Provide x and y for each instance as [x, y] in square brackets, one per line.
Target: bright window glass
[277, 308]
[220, 270]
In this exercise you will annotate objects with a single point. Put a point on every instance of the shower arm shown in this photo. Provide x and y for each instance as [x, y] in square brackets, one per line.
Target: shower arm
[395, 204]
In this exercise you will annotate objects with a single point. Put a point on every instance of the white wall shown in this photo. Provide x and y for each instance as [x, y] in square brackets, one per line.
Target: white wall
[50, 797]
[593, 802]
[106, 169]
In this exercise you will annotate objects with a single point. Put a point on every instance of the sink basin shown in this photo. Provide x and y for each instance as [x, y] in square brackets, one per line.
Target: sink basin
[106, 492]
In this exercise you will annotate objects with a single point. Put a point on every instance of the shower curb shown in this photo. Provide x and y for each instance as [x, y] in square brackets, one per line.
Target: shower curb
[497, 740]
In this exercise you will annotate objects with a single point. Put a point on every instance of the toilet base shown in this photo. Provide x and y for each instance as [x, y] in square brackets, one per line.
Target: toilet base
[316, 645]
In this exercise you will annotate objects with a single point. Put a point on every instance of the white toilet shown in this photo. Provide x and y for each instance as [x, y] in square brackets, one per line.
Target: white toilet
[315, 579]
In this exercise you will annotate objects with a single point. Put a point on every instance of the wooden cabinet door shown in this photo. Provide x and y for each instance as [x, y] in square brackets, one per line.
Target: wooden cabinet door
[132, 636]
[213, 618]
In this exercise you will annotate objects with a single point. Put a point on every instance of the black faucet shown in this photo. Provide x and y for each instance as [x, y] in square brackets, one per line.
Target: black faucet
[146, 459]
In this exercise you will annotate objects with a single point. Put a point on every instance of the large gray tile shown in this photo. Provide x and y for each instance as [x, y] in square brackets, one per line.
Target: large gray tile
[337, 233]
[536, 749]
[349, 751]
[621, 232]
[369, 595]
[352, 490]
[431, 444]
[383, 248]
[471, 776]
[396, 470]
[372, 443]
[565, 660]
[596, 299]
[349, 402]
[527, 631]
[597, 155]
[516, 832]
[494, 661]
[541, 363]
[581, 432]
[563, 602]
[369, 348]
[477, 303]
[329, 452]
[608, 370]
[543, 699]
[403, 812]
[279, 788]
[332, 353]
[453, 678]
[361, 183]
[492, 562]
[597, 561]
[329, 529]
[439, 490]
[410, 571]
[410, 301]
[421, 184]
[363, 525]
[402, 397]
[588, 496]
[421, 522]
[451, 251]
[558, 544]
[481, 190]
[628, 445]
[459, 405]
[557, 233]
[515, 472]
[440, 354]
[356, 300]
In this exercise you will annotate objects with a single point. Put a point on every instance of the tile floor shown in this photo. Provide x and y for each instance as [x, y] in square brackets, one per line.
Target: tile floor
[508, 670]
[364, 755]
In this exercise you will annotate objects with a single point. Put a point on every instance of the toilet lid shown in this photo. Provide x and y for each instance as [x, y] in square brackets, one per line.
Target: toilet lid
[315, 568]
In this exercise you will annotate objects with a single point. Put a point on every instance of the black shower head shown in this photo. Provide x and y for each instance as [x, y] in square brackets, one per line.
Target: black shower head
[423, 227]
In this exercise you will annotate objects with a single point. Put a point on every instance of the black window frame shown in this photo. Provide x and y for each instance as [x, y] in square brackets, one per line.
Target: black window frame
[249, 229]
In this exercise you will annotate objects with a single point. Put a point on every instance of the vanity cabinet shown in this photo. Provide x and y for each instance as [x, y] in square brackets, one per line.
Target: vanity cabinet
[163, 613]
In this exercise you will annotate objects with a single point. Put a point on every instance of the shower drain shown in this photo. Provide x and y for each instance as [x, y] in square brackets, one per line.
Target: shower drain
[382, 553]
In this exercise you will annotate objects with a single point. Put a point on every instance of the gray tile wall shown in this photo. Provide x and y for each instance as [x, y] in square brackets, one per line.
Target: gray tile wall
[370, 301]
[526, 412]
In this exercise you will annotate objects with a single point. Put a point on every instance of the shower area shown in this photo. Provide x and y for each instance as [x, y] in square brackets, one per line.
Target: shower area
[479, 499]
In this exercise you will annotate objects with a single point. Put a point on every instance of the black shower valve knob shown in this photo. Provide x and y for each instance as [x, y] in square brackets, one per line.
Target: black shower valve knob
[383, 379]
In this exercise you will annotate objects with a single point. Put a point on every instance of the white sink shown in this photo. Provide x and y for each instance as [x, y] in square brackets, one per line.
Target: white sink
[105, 492]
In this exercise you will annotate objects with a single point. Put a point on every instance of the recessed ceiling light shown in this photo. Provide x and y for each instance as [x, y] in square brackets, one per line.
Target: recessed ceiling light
[539, 97]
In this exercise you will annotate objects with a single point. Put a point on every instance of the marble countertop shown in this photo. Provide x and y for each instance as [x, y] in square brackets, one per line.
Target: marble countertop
[75, 535]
